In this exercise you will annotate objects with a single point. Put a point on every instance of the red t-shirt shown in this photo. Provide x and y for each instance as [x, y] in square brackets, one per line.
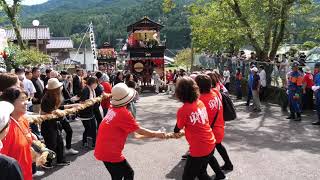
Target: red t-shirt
[169, 77]
[105, 104]
[308, 79]
[16, 145]
[194, 118]
[214, 105]
[112, 134]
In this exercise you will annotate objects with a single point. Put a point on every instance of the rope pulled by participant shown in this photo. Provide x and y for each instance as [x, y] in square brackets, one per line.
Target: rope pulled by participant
[61, 113]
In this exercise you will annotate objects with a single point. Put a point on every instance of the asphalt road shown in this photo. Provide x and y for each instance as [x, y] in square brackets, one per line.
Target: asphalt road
[262, 146]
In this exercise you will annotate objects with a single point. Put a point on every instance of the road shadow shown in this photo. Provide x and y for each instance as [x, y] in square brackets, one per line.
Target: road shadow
[271, 130]
[176, 172]
[71, 158]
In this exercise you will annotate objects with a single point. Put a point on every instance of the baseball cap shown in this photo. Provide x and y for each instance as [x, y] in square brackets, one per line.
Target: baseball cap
[6, 109]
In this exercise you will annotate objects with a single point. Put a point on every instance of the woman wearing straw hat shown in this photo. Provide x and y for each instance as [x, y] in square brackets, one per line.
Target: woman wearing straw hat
[51, 129]
[114, 130]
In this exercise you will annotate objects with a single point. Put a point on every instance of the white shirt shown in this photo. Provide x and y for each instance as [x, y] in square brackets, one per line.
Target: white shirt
[263, 78]
[226, 75]
[29, 87]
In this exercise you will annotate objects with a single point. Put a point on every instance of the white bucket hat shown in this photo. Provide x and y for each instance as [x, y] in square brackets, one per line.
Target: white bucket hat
[53, 83]
[6, 109]
[254, 69]
[307, 69]
[122, 95]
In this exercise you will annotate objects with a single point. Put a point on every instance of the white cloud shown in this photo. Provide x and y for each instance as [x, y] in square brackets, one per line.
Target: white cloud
[29, 2]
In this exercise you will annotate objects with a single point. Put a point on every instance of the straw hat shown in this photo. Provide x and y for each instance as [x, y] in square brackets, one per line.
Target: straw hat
[121, 95]
[53, 83]
[6, 109]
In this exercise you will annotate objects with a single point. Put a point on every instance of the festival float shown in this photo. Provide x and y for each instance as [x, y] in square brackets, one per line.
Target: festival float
[145, 50]
[107, 57]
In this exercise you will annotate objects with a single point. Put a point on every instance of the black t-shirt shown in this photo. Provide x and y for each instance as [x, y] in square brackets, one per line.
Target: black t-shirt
[10, 170]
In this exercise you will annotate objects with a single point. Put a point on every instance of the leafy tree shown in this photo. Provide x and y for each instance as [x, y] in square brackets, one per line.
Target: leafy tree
[183, 58]
[12, 12]
[168, 5]
[27, 57]
[308, 45]
[263, 24]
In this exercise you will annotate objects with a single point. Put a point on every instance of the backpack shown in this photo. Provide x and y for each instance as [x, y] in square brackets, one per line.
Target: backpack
[229, 112]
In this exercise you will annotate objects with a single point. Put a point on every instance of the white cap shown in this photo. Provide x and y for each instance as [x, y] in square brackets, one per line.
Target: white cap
[254, 69]
[6, 109]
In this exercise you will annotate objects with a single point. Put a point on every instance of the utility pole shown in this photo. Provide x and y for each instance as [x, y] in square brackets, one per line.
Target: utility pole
[84, 56]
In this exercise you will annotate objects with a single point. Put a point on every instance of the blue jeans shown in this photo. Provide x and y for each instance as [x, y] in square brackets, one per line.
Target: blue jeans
[294, 104]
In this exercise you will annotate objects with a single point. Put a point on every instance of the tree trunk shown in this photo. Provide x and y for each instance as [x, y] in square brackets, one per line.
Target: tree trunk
[18, 33]
[11, 13]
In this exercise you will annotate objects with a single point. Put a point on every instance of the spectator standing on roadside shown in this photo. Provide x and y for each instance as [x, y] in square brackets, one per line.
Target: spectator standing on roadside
[238, 83]
[316, 89]
[255, 90]
[226, 76]
[307, 102]
[263, 81]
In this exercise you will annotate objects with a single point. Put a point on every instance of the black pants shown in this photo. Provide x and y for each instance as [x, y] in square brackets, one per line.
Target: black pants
[67, 128]
[53, 138]
[223, 153]
[90, 129]
[249, 97]
[227, 86]
[121, 170]
[97, 114]
[308, 103]
[215, 166]
[196, 167]
[262, 94]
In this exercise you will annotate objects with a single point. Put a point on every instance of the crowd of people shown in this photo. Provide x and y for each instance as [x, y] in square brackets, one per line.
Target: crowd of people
[108, 123]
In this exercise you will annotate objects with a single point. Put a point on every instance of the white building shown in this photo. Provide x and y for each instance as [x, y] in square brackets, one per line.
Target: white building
[84, 57]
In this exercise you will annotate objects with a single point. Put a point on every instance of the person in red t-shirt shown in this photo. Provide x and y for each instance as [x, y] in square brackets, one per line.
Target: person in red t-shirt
[193, 118]
[212, 99]
[104, 81]
[170, 78]
[114, 130]
[307, 90]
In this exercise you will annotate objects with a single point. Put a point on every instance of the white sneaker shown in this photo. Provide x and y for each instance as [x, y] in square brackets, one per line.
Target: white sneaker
[71, 151]
[38, 174]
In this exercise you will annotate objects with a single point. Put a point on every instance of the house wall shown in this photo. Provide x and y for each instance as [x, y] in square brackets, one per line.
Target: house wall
[87, 57]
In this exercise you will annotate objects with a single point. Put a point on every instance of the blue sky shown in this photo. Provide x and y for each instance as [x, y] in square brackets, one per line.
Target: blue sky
[30, 2]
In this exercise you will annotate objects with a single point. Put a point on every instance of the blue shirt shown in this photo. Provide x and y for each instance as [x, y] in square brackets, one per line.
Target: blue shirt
[250, 80]
[317, 80]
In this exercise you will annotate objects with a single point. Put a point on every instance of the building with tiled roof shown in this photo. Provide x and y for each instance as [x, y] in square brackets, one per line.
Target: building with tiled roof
[30, 34]
[60, 43]
[59, 48]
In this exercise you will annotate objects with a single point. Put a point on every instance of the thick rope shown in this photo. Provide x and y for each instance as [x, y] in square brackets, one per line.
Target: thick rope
[61, 113]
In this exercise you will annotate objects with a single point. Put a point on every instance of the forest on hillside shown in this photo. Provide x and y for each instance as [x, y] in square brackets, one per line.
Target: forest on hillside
[110, 19]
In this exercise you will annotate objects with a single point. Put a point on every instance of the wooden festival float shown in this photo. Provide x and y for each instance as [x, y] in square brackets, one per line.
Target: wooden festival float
[146, 52]
[107, 57]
